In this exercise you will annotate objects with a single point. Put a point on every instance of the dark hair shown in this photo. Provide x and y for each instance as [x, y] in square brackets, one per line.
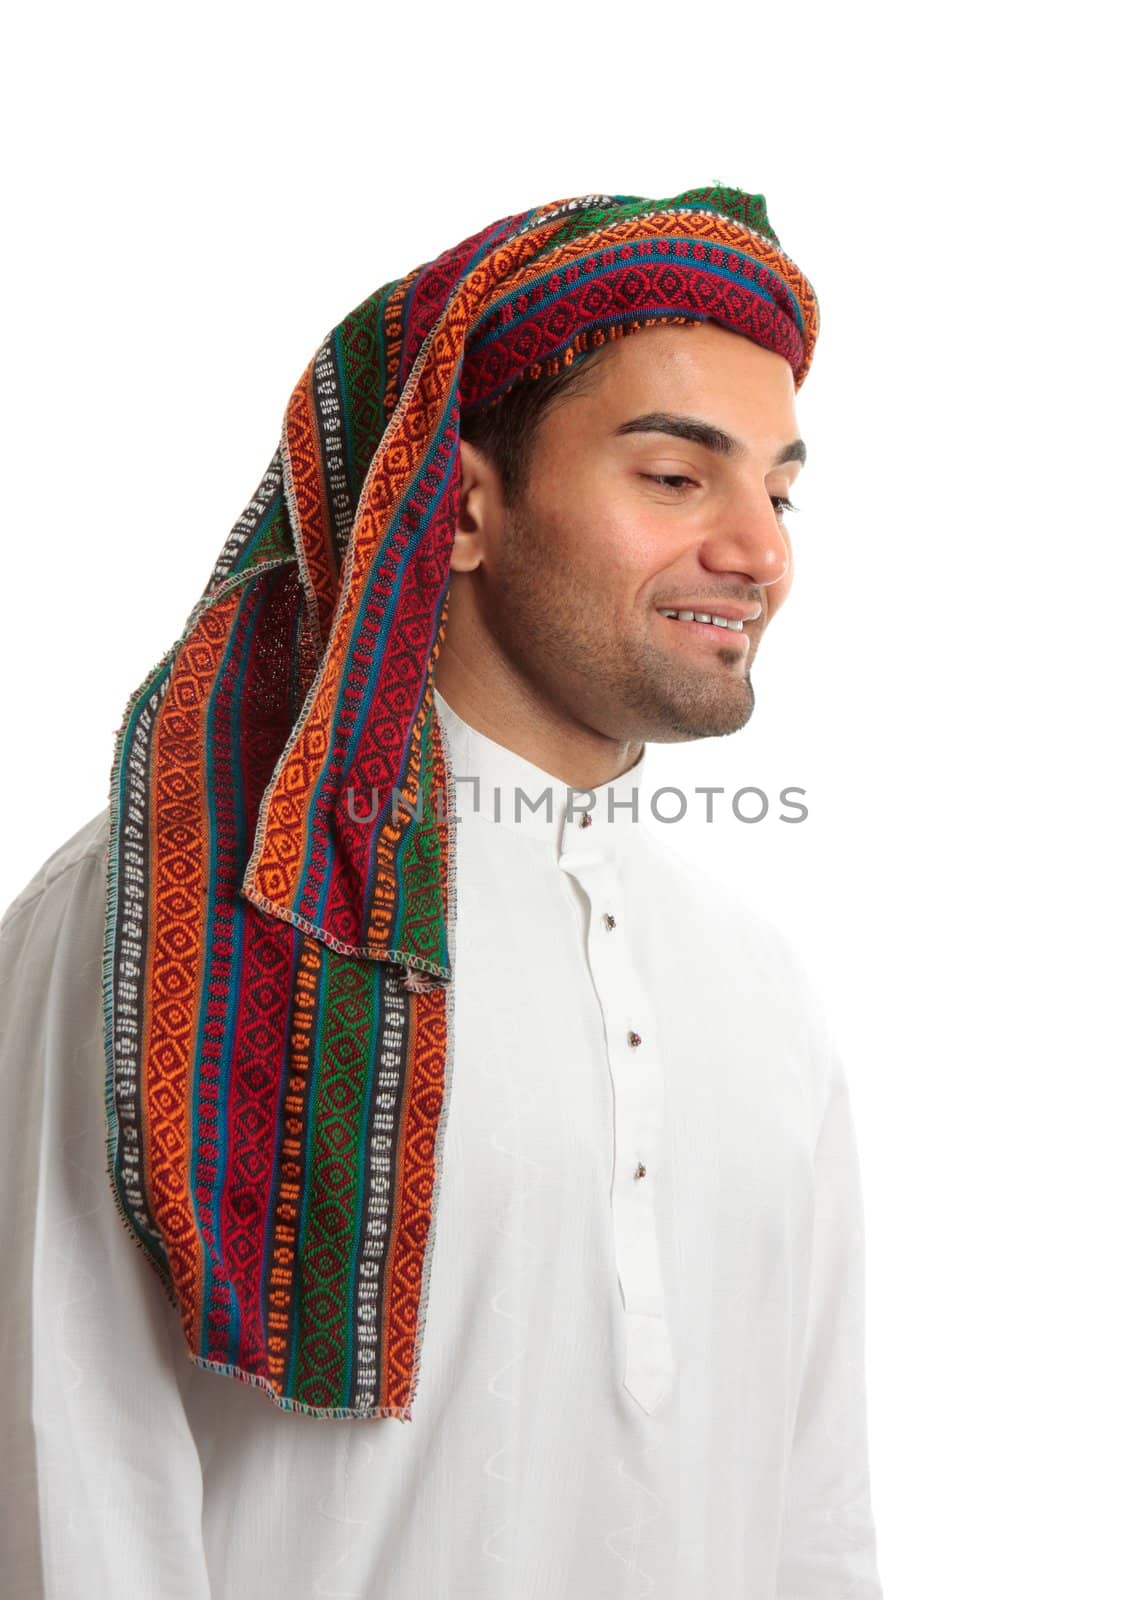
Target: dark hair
[505, 432]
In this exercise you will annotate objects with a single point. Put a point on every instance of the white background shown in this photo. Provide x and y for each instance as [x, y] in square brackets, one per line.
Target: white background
[196, 196]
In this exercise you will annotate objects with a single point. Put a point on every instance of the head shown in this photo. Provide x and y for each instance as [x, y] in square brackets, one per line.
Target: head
[577, 529]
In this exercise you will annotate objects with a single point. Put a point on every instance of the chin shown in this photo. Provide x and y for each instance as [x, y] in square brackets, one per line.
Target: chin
[704, 717]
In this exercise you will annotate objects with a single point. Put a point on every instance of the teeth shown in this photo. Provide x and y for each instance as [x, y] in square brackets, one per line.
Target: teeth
[704, 616]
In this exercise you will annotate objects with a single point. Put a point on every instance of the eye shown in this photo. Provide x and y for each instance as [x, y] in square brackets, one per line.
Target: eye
[673, 481]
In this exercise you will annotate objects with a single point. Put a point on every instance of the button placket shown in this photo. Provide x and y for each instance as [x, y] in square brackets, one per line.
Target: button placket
[637, 1074]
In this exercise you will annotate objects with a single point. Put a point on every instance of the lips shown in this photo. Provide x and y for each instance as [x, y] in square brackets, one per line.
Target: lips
[722, 614]
[689, 627]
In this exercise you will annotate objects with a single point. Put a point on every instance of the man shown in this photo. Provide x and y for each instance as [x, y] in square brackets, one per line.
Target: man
[396, 978]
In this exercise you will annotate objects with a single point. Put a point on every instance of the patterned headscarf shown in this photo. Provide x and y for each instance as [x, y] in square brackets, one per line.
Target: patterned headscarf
[277, 971]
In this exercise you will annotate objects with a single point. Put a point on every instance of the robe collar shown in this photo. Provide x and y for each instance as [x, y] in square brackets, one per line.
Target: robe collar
[496, 784]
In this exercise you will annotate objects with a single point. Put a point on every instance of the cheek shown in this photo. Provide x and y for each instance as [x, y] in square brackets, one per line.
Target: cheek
[584, 521]
[613, 541]
[633, 547]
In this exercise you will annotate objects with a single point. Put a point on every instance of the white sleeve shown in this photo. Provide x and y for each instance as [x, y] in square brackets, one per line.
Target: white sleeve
[100, 1481]
[829, 1544]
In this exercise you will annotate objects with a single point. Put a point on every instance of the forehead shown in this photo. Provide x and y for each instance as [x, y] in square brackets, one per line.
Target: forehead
[705, 370]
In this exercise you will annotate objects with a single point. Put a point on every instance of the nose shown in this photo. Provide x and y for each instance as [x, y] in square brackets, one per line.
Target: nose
[749, 538]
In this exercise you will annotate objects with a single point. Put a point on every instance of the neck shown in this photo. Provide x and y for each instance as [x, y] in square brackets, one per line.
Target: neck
[518, 715]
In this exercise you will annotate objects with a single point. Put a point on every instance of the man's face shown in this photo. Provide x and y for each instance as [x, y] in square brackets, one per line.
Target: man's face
[597, 547]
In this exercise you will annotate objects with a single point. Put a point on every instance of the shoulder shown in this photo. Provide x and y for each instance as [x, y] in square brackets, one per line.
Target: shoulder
[84, 855]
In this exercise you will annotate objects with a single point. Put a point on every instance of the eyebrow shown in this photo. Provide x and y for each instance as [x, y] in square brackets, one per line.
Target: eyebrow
[703, 433]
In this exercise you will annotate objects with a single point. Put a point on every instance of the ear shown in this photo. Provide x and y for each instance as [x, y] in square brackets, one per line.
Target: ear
[480, 509]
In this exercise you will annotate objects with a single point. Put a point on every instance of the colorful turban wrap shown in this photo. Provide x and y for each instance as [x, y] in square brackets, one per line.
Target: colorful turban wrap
[277, 972]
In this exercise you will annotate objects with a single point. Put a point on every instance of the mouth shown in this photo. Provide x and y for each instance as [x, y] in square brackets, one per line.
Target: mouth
[723, 627]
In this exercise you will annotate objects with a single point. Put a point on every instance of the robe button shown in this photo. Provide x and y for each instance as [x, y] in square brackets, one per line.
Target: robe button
[640, 1170]
[609, 921]
[634, 1038]
[585, 820]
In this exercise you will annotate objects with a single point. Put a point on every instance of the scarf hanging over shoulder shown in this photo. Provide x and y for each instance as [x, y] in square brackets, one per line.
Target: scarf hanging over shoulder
[278, 971]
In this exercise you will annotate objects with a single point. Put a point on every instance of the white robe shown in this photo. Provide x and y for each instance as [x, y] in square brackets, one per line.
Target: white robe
[643, 1368]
